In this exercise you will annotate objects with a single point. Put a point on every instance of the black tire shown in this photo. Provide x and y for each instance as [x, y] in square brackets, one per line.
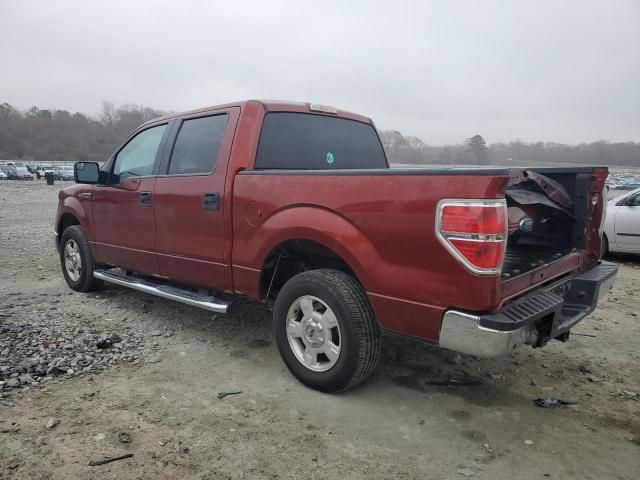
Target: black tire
[360, 336]
[86, 281]
[605, 245]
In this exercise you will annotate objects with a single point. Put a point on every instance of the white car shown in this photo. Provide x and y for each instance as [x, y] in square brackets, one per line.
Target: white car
[622, 224]
[41, 170]
[3, 176]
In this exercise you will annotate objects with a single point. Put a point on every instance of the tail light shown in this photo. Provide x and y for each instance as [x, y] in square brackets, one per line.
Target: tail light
[474, 232]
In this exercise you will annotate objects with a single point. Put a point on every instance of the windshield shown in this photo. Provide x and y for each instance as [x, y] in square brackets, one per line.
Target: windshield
[624, 195]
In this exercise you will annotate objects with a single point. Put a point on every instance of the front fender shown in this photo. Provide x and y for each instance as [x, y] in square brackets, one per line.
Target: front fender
[71, 205]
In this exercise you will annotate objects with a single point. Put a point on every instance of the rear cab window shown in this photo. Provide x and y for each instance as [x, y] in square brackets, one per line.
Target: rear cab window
[197, 145]
[291, 140]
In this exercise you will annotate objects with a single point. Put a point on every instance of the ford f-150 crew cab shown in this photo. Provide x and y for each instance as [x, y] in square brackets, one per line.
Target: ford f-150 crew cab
[295, 204]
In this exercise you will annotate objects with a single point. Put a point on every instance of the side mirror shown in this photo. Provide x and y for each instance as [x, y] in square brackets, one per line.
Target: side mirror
[86, 172]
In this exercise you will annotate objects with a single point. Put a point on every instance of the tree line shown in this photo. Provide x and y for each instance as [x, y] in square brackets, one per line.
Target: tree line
[475, 151]
[43, 135]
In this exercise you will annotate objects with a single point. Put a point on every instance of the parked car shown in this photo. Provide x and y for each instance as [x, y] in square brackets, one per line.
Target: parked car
[295, 204]
[3, 175]
[64, 172]
[622, 224]
[15, 163]
[16, 173]
[23, 173]
[10, 171]
[41, 170]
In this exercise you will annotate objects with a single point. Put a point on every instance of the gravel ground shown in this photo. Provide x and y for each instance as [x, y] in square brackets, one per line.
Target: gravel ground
[84, 377]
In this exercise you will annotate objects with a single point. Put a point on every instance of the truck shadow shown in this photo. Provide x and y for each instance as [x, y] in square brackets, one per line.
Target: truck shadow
[431, 370]
[512, 381]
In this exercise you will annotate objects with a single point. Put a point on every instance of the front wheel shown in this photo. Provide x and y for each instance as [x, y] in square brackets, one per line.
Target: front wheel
[77, 261]
[325, 329]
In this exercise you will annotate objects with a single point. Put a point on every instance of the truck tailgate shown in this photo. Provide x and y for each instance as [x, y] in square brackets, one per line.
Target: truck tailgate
[554, 225]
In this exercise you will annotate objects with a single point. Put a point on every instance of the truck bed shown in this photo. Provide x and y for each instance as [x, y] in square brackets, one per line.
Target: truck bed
[521, 259]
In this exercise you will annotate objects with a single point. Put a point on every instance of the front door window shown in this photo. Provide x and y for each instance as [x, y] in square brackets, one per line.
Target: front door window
[137, 157]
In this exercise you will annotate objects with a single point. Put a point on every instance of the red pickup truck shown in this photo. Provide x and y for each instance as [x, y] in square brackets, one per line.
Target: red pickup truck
[295, 204]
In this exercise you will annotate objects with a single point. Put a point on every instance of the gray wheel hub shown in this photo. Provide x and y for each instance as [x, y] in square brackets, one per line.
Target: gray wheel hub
[313, 333]
[72, 259]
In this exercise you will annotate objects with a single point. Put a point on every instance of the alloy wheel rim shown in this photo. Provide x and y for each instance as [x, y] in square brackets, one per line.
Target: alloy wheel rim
[313, 333]
[72, 260]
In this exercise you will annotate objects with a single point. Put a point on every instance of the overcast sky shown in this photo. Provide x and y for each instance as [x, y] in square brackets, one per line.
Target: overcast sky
[565, 71]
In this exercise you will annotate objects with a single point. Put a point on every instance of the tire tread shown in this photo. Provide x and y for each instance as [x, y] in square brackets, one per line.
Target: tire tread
[88, 282]
[355, 301]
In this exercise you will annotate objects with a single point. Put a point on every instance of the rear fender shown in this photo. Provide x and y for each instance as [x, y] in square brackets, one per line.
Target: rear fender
[342, 237]
[327, 228]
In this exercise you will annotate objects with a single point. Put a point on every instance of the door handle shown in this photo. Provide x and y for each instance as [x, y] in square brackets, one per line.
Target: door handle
[145, 199]
[211, 201]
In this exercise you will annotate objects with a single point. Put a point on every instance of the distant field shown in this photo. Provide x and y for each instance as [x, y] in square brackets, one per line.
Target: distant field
[612, 169]
[628, 174]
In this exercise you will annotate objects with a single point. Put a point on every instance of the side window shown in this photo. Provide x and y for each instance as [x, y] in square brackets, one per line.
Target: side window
[137, 157]
[198, 145]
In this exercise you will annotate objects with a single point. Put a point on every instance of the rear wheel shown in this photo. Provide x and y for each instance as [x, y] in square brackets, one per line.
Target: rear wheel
[605, 245]
[77, 260]
[326, 331]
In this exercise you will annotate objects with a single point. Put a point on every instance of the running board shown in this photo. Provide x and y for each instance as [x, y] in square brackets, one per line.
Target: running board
[206, 302]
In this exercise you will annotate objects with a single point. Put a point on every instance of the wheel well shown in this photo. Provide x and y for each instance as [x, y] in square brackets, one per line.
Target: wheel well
[295, 256]
[66, 220]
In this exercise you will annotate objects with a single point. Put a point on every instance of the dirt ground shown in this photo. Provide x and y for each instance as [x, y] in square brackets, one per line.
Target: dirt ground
[397, 425]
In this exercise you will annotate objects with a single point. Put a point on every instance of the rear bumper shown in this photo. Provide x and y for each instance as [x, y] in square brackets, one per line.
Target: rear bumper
[545, 314]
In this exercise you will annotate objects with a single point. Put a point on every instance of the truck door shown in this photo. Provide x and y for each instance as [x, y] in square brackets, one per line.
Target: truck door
[124, 223]
[190, 199]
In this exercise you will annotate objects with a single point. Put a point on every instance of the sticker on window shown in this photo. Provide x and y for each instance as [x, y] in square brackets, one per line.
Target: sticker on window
[330, 158]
